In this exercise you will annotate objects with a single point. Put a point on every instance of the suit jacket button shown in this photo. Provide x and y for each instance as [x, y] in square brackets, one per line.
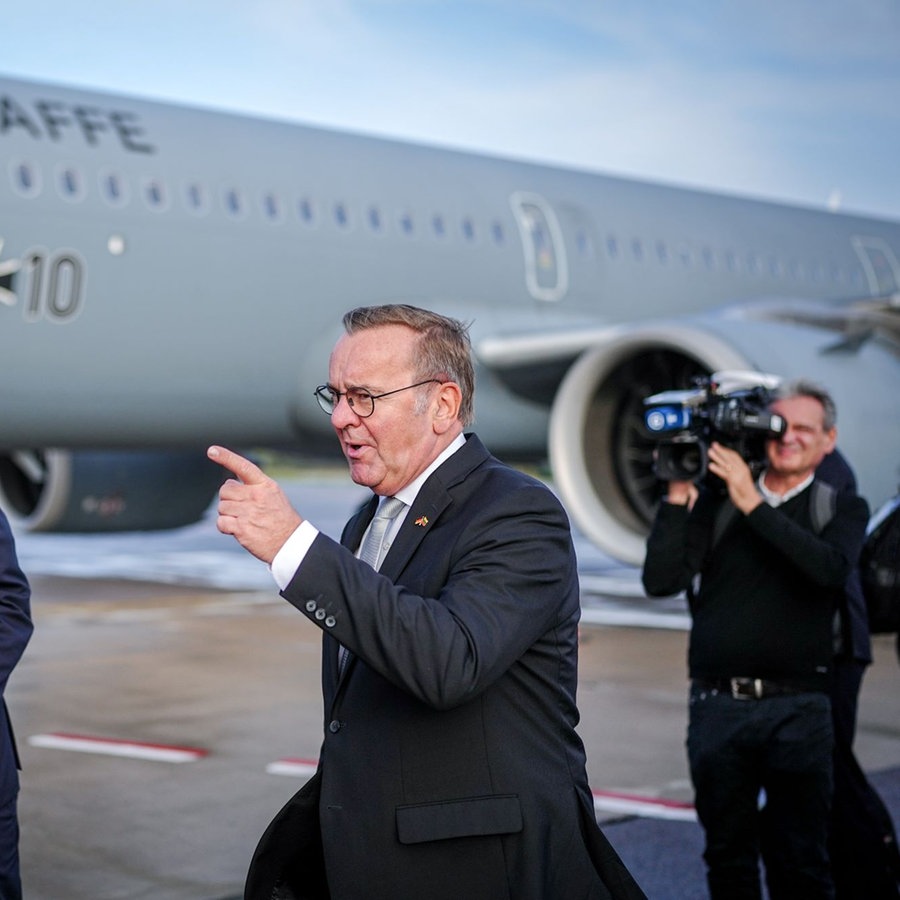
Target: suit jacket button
[334, 726]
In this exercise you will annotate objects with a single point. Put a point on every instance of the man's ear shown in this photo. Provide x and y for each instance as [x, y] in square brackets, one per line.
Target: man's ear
[448, 400]
[830, 440]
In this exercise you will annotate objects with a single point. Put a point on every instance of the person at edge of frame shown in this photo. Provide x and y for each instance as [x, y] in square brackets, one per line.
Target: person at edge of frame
[16, 628]
[862, 845]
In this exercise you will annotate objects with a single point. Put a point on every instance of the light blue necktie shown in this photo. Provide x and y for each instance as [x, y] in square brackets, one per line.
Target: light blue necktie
[370, 551]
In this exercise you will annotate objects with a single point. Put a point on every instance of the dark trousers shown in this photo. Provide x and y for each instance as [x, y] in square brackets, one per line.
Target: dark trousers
[863, 844]
[780, 745]
[10, 882]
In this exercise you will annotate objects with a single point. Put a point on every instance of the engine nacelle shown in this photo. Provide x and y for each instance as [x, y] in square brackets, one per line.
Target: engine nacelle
[87, 491]
[600, 453]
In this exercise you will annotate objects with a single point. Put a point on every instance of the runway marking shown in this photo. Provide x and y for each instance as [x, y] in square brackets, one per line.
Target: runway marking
[604, 801]
[112, 747]
[645, 807]
[297, 767]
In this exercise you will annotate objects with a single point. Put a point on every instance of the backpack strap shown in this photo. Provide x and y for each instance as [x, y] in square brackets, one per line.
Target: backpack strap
[823, 503]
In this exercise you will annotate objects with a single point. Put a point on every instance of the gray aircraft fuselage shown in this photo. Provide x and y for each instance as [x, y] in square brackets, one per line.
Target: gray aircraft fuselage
[173, 277]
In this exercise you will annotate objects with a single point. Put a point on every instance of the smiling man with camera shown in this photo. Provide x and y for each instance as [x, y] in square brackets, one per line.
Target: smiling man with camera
[764, 561]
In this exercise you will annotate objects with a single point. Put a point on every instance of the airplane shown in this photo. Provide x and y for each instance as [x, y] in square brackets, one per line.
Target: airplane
[173, 277]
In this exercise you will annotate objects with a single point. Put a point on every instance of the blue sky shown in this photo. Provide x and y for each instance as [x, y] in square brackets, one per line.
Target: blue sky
[793, 100]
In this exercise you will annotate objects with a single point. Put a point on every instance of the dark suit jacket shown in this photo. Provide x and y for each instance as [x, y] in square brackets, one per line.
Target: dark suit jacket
[15, 632]
[450, 769]
[854, 621]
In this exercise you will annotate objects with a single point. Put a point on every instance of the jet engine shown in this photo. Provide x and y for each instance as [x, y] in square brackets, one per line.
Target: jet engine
[104, 491]
[600, 453]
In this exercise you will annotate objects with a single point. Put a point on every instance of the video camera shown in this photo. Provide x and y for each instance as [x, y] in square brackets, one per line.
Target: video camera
[728, 407]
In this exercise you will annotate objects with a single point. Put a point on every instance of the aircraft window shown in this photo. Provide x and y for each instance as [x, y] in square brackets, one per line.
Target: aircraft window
[70, 183]
[684, 255]
[407, 226]
[662, 252]
[114, 189]
[709, 258]
[271, 207]
[234, 203]
[306, 211]
[637, 249]
[155, 194]
[196, 198]
[880, 265]
[612, 246]
[499, 236]
[438, 226]
[754, 263]
[795, 269]
[468, 229]
[731, 261]
[26, 179]
[774, 267]
[374, 218]
[341, 215]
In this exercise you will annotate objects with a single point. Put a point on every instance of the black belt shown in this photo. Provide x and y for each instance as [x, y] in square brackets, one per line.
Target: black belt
[748, 688]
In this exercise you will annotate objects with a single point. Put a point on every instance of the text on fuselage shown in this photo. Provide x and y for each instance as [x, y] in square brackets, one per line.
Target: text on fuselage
[61, 121]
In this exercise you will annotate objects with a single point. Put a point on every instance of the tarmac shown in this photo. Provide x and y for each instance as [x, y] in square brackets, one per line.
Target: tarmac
[169, 704]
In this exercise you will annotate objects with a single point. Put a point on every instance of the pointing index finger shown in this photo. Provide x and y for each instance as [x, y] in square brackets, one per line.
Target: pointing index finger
[248, 472]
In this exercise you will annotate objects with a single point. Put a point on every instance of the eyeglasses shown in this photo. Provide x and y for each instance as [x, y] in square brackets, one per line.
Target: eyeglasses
[360, 401]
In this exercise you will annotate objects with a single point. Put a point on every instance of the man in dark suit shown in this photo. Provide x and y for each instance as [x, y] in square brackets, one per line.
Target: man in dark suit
[450, 766]
[15, 632]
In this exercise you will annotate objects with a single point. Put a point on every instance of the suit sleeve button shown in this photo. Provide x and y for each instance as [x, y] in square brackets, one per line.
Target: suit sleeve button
[330, 621]
[310, 605]
[334, 726]
[320, 614]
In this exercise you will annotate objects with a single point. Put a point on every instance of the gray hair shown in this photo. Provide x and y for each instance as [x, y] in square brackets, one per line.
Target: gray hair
[444, 352]
[804, 387]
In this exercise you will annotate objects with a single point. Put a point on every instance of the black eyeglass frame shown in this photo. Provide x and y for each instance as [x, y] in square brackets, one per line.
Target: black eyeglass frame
[322, 399]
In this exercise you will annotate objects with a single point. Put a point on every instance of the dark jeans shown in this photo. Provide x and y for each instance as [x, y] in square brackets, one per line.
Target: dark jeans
[780, 745]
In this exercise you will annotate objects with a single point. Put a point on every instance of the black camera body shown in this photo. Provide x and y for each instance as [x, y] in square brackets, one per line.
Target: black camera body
[728, 407]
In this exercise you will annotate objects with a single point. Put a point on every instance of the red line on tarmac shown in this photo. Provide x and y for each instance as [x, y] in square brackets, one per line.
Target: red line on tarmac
[60, 740]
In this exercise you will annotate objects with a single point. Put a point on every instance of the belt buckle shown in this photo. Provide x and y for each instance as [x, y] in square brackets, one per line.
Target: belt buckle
[746, 688]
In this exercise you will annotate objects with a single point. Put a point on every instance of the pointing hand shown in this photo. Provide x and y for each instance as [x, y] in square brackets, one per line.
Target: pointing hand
[253, 508]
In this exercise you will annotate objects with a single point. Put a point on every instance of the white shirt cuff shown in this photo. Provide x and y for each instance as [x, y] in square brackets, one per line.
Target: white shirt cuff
[292, 553]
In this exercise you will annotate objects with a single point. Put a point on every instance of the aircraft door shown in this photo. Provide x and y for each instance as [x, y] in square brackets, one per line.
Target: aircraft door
[546, 266]
[880, 265]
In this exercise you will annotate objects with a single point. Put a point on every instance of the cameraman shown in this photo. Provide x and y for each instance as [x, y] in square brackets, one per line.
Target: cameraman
[763, 588]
